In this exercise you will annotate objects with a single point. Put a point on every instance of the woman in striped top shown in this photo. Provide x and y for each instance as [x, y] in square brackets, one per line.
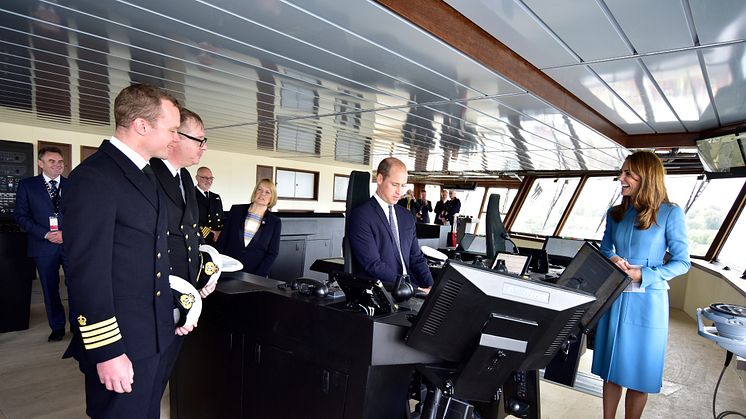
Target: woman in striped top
[252, 232]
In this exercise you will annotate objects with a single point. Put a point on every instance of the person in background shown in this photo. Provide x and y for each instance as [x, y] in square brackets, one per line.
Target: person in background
[410, 203]
[37, 211]
[252, 232]
[211, 217]
[423, 215]
[453, 207]
[117, 249]
[630, 342]
[441, 208]
[382, 235]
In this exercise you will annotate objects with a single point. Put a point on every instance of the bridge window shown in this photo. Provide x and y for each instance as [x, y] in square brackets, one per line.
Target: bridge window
[588, 217]
[706, 203]
[732, 253]
[507, 195]
[543, 208]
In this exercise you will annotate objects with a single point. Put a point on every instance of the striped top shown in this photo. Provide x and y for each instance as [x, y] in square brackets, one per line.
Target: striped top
[250, 227]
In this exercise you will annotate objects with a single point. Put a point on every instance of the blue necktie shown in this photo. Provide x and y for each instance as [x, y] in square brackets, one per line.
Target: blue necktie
[395, 232]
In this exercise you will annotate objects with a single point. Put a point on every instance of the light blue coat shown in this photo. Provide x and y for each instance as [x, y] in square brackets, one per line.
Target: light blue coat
[631, 337]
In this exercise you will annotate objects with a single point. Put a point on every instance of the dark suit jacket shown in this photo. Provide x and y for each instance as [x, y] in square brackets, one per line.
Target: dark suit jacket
[264, 247]
[115, 239]
[440, 208]
[373, 249]
[425, 208]
[33, 209]
[183, 236]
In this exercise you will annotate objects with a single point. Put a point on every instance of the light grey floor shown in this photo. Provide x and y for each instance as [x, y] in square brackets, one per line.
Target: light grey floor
[35, 383]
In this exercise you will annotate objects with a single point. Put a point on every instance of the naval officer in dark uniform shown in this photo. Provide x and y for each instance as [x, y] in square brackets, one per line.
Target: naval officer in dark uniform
[176, 184]
[115, 238]
[211, 217]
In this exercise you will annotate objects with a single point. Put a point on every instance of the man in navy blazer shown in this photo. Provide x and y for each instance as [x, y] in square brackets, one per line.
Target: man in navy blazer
[38, 213]
[376, 251]
[117, 244]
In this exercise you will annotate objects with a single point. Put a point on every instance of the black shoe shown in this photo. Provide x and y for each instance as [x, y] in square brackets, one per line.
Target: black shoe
[56, 335]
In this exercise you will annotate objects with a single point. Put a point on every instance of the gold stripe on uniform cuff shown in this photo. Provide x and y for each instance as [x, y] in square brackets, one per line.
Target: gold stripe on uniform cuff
[103, 342]
[98, 325]
[102, 336]
[100, 331]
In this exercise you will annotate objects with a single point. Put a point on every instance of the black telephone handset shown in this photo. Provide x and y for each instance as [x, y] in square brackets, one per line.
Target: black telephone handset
[309, 286]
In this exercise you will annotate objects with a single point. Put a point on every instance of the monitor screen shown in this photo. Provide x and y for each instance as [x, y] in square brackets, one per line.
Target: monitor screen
[474, 243]
[515, 264]
[561, 250]
[592, 272]
[492, 324]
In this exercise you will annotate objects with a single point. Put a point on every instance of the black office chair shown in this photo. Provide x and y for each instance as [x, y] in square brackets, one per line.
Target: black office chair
[358, 191]
[495, 229]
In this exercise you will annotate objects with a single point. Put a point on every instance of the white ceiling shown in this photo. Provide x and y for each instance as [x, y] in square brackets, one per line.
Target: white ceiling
[351, 81]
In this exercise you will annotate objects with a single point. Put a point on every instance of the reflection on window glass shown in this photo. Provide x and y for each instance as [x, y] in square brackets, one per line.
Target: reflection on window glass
[470, 201]
[507, 195]
[588, 217]
[707, 210]
[544, 205]
[731, 254]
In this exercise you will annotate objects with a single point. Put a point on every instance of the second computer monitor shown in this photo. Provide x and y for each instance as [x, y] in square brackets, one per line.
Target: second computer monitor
[561, 250]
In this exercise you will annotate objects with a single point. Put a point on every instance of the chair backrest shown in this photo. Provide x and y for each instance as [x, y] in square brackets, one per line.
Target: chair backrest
[358, 191]
[494, 227]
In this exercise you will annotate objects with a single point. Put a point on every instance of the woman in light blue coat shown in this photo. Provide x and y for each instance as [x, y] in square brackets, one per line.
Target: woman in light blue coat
[631, 337]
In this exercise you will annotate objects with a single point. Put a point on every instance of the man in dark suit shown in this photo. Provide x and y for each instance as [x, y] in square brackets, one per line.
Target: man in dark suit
[454, 206]
[377, 250]
[211, 217]
[116, 243]
[38, 213]
[441, 208]
[423, 215]
[410, 203]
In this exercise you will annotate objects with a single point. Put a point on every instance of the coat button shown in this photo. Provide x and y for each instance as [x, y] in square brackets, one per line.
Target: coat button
[189, 248]
[194, 225]
[167, 233]
[186, 236]
[158, 275]
[190, 259]
[158, 255]
[181, 226]
[158, 294]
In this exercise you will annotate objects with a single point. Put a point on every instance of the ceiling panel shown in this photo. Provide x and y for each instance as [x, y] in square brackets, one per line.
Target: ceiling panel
[590, 89]
[509, 22]
[720, 22]
[727, 74]
[662, 27]
[403, 42]
[572, 21]
[631, 82]
[680, 77]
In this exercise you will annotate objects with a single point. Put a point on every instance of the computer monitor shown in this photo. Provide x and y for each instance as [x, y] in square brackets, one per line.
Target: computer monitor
[539, 261]
[561, 250]
[491, 324]
[514, 264]
[592, 272]
[474, 243]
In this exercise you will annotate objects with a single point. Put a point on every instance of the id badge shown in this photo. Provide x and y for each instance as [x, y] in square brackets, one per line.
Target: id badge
[53, 224]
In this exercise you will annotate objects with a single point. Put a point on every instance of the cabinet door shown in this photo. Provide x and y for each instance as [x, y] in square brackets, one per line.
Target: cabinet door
[289, 262]
[316, 249]
[280, 384]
